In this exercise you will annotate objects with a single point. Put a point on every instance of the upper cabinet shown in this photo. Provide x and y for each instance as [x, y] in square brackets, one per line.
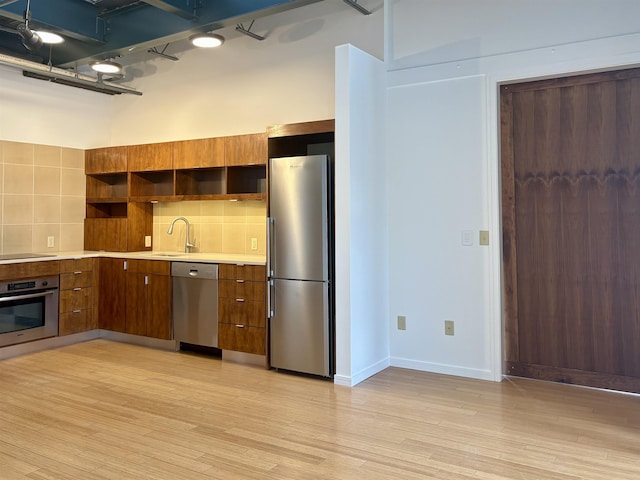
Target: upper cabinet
[105, 160]
[150, 157]
[202, 153]
[241, 150]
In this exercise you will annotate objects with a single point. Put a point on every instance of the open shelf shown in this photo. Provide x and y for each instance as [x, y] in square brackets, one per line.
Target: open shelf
[107, 210]
[200, 182]
[155, 185]
[249, 179]
[107, 186]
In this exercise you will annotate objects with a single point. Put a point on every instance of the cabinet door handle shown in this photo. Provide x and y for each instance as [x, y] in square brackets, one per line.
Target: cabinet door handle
[124, 265]
[146, 279]
[77, 289]
[239, 299]
[77, 273]
[239, 326]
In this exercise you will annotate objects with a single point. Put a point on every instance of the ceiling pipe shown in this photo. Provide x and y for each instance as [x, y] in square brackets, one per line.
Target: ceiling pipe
[66, 77]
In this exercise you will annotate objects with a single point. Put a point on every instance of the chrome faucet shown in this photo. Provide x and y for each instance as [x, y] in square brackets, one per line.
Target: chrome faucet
[187, 242]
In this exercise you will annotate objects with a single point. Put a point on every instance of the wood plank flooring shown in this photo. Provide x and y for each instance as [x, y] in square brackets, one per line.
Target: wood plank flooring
[107, 410]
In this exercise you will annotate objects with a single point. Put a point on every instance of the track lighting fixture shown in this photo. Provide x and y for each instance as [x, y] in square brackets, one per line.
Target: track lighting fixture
[357, 6]
[30, 39]
[49, 38]
[206, 40]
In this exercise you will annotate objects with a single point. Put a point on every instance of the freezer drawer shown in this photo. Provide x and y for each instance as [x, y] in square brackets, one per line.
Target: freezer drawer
[299, 327]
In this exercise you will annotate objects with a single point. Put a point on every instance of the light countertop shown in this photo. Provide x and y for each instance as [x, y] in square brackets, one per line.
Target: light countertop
[148, 255]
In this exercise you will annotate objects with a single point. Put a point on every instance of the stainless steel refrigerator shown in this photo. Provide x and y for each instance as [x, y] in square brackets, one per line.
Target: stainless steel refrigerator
[300, 264]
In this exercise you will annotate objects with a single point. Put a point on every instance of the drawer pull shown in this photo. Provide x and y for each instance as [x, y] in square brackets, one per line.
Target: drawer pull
[239, 299]
[239, 281]
[76, 311]
[77, 289]
[77, 273]
[239, 326]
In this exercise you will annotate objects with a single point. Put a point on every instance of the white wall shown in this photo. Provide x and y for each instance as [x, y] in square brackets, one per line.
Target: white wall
[35, 111]
[443, 157]
[362, 340]
[246, 85]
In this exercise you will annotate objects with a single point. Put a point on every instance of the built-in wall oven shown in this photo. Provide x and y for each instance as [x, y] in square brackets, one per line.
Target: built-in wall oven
[28, 310]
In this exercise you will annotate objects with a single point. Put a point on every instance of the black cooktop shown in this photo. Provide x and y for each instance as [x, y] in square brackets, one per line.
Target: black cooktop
[18, 256]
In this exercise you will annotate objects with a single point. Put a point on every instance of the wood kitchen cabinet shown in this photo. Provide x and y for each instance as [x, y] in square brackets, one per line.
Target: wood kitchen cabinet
[78, 287]
[105, 160]
[242, 308]
[242, 150]
[201, 153]
[112, 285]
[150, 157]
[135, 297]
[148, 298]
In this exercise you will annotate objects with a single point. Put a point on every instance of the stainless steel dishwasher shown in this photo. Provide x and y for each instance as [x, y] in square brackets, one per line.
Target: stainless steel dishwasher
[195, 303]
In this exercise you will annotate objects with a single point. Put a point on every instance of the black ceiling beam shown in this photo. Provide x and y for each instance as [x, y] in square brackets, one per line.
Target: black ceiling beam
[180, 8]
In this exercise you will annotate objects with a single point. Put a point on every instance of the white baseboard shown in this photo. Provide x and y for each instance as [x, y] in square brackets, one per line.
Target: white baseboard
[353, 380]
[443, 369]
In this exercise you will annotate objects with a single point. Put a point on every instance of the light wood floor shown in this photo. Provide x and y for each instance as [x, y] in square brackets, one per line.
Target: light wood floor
[106, 410]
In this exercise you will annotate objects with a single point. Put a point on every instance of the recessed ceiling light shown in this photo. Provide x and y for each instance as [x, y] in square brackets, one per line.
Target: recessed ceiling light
[106, 66]
[49, 37]
[206, 40]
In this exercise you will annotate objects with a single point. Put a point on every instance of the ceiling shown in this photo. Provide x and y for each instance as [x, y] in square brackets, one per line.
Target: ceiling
[103, 29]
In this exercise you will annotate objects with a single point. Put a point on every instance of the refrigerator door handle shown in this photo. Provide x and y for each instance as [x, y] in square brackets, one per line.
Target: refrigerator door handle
[271, 230]
[271, 299]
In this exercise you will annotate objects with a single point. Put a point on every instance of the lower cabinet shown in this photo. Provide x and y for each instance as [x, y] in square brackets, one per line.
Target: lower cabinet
[77, 293]
[112, 295]
[242, 308]
[149, 298]
[135, 297]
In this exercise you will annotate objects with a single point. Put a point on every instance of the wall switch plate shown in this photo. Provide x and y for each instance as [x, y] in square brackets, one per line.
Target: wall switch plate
[51, 242]
[467, 238]
[448, 327]
[147, 240]
[484, 237]
[402, 322]
[254, 243]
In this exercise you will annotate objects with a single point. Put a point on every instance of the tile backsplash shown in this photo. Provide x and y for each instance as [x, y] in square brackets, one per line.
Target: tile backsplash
[217, 226]
[42, 194]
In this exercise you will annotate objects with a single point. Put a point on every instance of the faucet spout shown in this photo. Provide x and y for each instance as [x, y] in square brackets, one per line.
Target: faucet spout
[187, 242]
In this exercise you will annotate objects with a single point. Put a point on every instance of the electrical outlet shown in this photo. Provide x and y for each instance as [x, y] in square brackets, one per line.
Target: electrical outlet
[147, 240]
[254, 243]
[448, 327]
[51, 242]
[402, 322]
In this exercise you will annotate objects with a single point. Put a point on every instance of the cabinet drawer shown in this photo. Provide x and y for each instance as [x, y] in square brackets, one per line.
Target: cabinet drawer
[243, 272]
[77, 321]
[76, 265]
[77, 279]
[254, 291]
[242, 338]
[238, 312]
[76, 299]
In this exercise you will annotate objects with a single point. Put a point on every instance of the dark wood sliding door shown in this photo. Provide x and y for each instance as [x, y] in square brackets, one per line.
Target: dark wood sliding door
[570, 151]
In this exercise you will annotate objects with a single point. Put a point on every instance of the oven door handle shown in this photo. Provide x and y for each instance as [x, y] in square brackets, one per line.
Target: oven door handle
[25, 297]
